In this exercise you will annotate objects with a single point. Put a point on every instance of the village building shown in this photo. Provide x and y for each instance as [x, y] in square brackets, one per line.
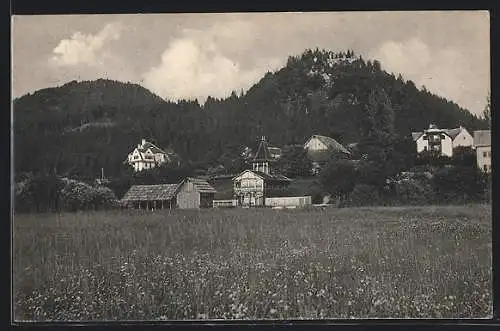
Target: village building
[252, 186]
[147, 156]
[482, 145]
[320, 149]
[151, 196]
[275, 152]
[442, 141]
[194, 193]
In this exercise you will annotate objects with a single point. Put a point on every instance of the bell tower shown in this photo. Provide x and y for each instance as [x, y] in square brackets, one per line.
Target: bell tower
[262, 157]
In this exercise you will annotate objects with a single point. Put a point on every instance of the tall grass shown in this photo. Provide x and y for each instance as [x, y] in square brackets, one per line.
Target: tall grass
[429, 262]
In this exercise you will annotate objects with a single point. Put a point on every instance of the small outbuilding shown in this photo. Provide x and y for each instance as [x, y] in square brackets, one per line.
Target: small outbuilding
[194, 193]
[151, 196]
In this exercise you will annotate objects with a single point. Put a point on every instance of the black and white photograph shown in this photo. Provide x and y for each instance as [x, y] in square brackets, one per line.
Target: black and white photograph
[251, 166]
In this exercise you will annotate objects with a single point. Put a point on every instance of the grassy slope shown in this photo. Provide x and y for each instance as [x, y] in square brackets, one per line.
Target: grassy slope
[338, 263]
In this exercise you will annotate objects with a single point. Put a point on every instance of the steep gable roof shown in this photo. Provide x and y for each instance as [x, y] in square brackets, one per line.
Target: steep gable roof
[201, 185]
[263, 154]
[454, 132]
[482, 138]
[150, 192]
[155, 149]
[332, 144]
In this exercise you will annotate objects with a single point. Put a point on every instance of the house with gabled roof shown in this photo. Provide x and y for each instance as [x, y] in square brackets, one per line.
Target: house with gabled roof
[194, 193]
[442, 141]
[252, 186]
[320, 149]
[147, 156]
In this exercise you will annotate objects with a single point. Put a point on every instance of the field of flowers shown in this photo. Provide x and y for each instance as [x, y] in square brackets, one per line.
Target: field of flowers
[418, 262]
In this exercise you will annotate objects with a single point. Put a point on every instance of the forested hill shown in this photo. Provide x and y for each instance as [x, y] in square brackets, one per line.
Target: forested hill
[81, 127]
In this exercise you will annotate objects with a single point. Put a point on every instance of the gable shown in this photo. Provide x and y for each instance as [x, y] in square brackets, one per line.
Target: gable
[247, 174]
[464, 134]
[315, 143]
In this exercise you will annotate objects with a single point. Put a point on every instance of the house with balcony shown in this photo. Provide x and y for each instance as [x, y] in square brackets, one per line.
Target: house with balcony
[147, 156]
[441, 142]
[251, 187]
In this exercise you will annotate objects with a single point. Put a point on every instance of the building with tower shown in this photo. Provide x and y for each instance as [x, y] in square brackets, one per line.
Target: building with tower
[251, 187]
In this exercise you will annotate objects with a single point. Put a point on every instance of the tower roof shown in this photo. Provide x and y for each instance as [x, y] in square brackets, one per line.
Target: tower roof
[263, 154]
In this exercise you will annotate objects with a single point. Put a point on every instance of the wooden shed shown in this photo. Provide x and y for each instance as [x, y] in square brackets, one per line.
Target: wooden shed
[195, 193]
[151, 196]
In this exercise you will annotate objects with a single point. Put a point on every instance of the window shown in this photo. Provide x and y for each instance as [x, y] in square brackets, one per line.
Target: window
[485, 167]
[425, 148]
[425, 137]
[442, 136]
[485, 154]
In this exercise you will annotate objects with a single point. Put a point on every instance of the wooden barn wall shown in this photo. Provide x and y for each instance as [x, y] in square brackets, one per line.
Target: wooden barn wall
[188, 197]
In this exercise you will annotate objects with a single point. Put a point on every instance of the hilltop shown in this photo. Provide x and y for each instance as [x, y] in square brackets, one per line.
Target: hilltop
[81, 127]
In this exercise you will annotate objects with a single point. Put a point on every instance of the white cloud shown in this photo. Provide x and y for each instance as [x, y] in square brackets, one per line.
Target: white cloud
[442, 71]
[86, 49]
[202, 63]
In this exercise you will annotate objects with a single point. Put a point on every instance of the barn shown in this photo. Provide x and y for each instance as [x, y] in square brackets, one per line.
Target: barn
[195, 193]
[151, 196]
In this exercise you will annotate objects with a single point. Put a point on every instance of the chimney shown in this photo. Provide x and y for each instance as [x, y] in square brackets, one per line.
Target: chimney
[143, 142]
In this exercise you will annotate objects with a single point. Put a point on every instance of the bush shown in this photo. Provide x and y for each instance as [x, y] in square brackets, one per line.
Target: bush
[76, 195]
[104, 198]
[413, 192]
[81, 196]
[37, 193]
[459, 184]
[338, 177]
[364, 195]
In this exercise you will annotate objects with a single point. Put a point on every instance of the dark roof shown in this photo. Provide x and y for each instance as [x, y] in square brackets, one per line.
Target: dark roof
[155, 149]
[150, 192]
[201, 185]
[262, 153]
[416, 135]
[450, 132]
[454, 132]
[332, 144]
[482, 138]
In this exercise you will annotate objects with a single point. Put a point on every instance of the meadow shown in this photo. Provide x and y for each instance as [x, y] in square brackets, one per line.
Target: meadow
[398, 262]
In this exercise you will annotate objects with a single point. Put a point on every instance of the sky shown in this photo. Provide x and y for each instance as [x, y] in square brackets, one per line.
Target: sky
[187, 56]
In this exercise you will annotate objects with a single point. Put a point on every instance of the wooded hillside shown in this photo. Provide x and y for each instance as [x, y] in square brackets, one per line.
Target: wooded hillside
[81, 127]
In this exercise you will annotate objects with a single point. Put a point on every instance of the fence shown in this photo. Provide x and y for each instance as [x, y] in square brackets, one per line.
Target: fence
[288, 201]
[225, 203]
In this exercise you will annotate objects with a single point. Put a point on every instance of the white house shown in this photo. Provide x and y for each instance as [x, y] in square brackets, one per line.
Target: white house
[146, 156]
[442, 141]
[252, 186]
[321, 148]
[482, 144]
